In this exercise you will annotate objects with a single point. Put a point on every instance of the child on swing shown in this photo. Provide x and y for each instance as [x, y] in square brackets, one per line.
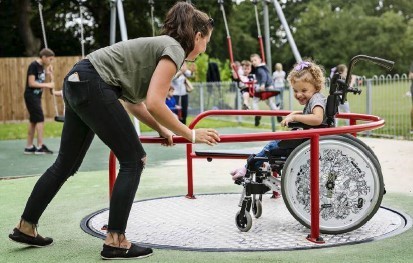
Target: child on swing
[306, 80]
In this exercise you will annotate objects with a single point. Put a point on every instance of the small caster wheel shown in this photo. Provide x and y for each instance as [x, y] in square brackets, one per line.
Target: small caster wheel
[257, 208]
[244, 223]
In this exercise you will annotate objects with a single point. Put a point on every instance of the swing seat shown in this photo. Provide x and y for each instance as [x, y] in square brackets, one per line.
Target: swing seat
[59, 118]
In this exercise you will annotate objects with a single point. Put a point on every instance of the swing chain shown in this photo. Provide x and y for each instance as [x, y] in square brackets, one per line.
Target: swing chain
[40, 5]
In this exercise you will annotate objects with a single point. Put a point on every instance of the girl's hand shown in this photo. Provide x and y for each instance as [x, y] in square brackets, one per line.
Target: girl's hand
[208, 136]
[288, 118]
[168, 135]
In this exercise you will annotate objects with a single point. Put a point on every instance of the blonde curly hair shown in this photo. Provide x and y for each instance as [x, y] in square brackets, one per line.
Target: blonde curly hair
[307, 71]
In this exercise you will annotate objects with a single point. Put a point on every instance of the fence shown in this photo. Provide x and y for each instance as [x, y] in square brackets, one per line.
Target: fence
[385, 96]
[13, 83]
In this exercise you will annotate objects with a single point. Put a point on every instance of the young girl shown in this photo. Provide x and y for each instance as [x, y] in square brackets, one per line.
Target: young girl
[243, 73]
[306, 79]
[137, 71]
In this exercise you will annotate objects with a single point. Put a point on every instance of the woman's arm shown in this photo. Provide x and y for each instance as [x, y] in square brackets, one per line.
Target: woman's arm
[155, 103]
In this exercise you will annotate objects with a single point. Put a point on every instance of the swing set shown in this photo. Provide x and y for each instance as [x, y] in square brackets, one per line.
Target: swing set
[269, 92]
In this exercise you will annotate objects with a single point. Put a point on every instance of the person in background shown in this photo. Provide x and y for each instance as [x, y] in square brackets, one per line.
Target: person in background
[171, 102]
[341, 69]
[138, 71]
[264, 82]
[244, 73]
[38, 73]
[278, 78]
[180, 94]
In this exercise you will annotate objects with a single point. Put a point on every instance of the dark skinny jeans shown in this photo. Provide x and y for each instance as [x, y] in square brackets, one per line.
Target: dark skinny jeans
[92, 107]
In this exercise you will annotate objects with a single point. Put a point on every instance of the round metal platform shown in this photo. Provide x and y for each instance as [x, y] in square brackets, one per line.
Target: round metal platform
[207, 223]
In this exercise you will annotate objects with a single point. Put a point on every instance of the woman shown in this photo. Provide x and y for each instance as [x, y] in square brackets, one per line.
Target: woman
[137, 71]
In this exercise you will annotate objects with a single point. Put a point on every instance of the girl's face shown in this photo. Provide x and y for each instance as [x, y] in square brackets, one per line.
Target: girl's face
[200, 45]
[303, 91]
[246, 69]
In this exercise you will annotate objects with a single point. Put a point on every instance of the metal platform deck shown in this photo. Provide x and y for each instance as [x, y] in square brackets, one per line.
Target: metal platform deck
[207, 223]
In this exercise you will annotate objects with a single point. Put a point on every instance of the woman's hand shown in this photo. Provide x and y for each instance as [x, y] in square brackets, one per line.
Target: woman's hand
[208, 136]
[168, 135]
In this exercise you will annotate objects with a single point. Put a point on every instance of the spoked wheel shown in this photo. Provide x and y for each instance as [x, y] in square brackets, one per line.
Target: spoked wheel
[256, 207]
[351, 184]
[244, 223]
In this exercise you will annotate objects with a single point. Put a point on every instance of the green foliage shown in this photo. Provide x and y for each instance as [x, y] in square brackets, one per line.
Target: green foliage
[330, 31]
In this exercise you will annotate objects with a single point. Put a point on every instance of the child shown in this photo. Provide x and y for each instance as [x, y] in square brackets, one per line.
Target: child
[35, 84]
[171, 102]
[243, 73]
[306, 79]
[264, 82]
[138, 71]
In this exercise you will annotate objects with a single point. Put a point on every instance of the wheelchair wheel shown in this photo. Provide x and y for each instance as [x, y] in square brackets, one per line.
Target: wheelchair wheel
[351, 184]
[256, 207]
[363, 144]
[244, 223]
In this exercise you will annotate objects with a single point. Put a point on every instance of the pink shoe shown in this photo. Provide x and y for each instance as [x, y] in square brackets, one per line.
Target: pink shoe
[238, 173]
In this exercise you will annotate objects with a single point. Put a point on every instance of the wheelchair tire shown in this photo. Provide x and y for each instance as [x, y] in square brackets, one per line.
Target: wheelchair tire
[244, 223]
[351, 184]
[363, 144]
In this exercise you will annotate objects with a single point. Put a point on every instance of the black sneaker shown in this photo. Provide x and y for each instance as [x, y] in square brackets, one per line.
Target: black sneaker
[37, 241]
[134, 251]
[257, 121]
[43, 150]
[30, 150]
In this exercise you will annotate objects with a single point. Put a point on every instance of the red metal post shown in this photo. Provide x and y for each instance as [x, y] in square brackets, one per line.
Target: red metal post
[231, 56]
[189, 170]
[353, 122]
[314, 190]
[261, 49]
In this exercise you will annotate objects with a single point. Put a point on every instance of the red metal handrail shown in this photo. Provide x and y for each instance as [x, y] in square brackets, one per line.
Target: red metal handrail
[372, 122]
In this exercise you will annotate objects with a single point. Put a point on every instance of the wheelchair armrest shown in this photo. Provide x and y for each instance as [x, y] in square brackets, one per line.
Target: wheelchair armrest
[297, 125]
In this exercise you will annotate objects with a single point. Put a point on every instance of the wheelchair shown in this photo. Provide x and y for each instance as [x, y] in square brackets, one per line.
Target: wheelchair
[351, 183]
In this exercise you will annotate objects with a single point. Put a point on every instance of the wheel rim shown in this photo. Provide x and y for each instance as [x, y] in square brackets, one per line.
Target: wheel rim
[350, 185]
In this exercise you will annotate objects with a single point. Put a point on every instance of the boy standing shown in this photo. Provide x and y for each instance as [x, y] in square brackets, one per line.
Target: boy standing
[35, 83]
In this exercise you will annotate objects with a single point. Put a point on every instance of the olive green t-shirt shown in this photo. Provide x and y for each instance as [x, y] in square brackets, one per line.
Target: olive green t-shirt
[130, 64]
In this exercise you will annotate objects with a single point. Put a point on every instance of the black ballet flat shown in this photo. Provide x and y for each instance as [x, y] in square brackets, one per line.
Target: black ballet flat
[37, 241]
[134, 251]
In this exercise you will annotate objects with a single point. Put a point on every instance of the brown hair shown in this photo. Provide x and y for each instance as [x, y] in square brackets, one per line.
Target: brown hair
[47, 52]
[183, 21]
[246, 62]
[312, 73]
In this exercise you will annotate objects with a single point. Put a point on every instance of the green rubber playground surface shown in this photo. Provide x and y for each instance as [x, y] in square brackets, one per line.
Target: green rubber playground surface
[165, 175]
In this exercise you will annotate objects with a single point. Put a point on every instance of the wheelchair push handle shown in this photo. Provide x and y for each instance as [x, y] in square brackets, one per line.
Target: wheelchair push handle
[388, 64]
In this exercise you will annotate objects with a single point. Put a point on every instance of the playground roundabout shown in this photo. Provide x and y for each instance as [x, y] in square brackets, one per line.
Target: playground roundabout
[207, 223]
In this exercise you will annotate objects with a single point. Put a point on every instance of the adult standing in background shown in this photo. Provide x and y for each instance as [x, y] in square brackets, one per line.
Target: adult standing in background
[180, 94]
